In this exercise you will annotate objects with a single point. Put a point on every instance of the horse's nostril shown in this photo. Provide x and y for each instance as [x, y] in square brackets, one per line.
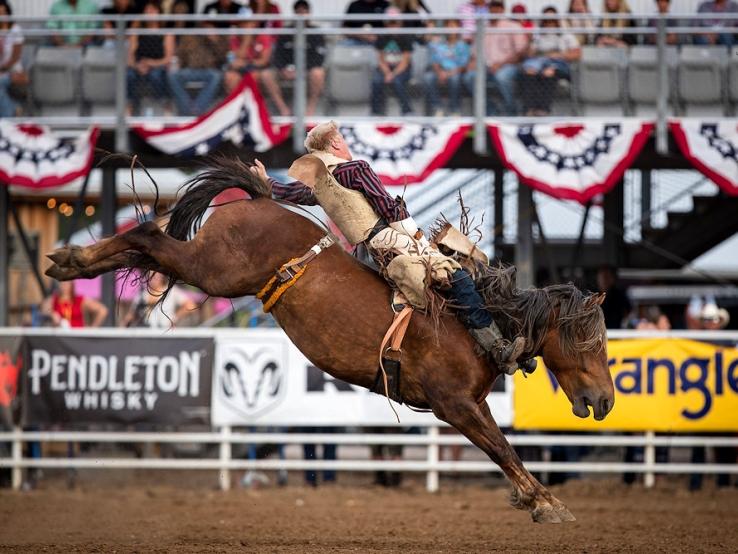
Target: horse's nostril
[605, 405]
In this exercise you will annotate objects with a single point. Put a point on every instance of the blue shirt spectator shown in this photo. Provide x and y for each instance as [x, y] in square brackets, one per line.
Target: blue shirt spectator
[449, 58]
[716, 7]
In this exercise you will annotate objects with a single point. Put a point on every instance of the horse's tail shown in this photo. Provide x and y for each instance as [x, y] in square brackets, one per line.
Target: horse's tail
[185, 218]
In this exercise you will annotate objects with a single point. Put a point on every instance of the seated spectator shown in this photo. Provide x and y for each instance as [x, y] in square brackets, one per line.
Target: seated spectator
[551, 55]
[148, 59]
[201, 59]
[359, 7]
[12, 74]
[671, 38]
[265, 7]
[62, 8]
[613, 24]
[468, 12]
[716, 7]
[251, 54]
[413, 7]
[449, 59]
[283, 62]
[144, 311]
[68, 309]
[222, 7]
[519, 9]
[393, 67]
[119, 7]
[503, 51]
[581, 8]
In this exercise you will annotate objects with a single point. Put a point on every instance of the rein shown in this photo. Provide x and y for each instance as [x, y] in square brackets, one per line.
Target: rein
[288, 274]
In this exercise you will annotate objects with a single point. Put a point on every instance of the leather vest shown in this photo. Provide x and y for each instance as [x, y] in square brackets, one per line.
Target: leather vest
[348, 209]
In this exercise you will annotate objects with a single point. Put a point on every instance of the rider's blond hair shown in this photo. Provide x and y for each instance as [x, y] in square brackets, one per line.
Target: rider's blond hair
[319, 138]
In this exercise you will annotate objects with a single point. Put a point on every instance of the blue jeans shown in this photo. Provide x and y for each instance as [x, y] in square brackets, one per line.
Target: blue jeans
[467, 302]
[504, 80]
[432, 93]
[178, 82]
[723, 39]
[537, 65]
[398, 84]
[7, 104]
[154, 83]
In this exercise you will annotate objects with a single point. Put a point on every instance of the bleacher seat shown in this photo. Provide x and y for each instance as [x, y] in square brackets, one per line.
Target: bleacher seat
[55, 80]
[643, 79]
[350, 71]
[700, 75]
[600, 81]
[98, 78]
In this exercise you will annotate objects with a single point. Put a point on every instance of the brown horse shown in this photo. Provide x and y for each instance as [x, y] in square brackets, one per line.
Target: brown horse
[338, 311]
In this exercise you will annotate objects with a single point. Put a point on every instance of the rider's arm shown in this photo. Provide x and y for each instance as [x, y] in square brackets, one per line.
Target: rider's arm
[295, 192]
[357, 175]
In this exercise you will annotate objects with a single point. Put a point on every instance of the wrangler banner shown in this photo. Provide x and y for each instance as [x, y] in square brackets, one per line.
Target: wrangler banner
[660, 385]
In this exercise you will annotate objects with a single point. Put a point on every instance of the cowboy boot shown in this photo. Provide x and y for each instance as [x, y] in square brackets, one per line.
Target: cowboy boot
[504, 352]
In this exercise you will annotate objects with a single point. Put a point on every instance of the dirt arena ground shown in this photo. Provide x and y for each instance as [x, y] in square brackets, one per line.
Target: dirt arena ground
[162, 517]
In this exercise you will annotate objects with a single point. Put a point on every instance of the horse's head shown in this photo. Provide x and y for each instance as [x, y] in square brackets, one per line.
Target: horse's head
[575, 350]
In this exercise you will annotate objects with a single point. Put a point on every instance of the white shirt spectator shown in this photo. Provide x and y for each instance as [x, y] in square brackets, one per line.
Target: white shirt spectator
[7, 42]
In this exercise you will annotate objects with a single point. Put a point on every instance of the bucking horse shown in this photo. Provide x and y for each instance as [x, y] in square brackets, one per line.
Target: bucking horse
[339, 310]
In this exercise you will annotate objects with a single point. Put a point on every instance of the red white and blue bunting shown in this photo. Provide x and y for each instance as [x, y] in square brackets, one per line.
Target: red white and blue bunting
[404, 154]
[711, 147]
[242, 119]
[34, 156]
[572, 161]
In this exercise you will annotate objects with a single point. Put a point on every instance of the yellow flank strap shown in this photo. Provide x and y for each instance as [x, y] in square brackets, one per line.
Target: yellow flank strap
[281, 290]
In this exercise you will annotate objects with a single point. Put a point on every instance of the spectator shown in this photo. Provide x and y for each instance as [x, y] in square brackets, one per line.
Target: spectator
[449, 59]
[552, 54]
[718, 36]
[65, 8]
[469, 12]
[283, 62]
[12, 74]
[503, 51]
[613, 24]
[144, 311]
[393, 67]
[581, 8]
[369, 7]
[519, 9]
[67, 309]
[201, 58]
[616, 305]
[148, 59]
[652, 319]
[251, 54]
[265, 7]
[412, 7]
[310, 453]
[391, 452]
[671, 38]
[222, 7]
[119, 7]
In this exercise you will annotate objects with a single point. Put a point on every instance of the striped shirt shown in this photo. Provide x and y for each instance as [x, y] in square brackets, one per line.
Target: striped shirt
[469, 11]
[356, 175]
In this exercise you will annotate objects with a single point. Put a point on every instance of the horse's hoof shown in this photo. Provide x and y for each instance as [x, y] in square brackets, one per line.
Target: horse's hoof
[564, 513]
[61, 273]
[60, 256]
[545, 514]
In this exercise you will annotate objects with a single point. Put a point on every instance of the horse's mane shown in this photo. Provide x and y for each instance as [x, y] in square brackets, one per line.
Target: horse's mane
[530, 312]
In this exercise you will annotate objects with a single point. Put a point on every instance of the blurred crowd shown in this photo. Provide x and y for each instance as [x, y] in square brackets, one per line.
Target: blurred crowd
[191, 71]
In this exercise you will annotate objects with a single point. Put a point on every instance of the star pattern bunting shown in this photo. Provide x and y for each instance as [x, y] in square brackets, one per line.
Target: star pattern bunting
[599, 147]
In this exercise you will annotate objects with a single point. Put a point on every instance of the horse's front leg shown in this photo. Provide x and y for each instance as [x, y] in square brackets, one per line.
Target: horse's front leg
[475, 421]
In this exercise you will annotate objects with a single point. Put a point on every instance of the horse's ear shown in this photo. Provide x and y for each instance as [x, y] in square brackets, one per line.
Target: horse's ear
[599, 298]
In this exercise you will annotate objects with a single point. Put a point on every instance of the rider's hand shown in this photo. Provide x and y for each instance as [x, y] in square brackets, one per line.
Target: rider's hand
[259, 170]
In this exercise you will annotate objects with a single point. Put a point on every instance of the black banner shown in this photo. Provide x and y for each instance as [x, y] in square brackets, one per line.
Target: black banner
[117, 380]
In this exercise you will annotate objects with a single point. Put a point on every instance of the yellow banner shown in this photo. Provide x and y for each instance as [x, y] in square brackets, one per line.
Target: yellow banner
[660, 385]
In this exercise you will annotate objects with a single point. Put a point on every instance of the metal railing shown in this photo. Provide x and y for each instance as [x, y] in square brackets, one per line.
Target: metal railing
[329, 29]
[432, 466]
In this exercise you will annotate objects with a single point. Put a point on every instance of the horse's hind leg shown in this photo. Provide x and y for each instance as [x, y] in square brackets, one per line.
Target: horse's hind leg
[122, 260]
[476, 423]
[171, 255]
